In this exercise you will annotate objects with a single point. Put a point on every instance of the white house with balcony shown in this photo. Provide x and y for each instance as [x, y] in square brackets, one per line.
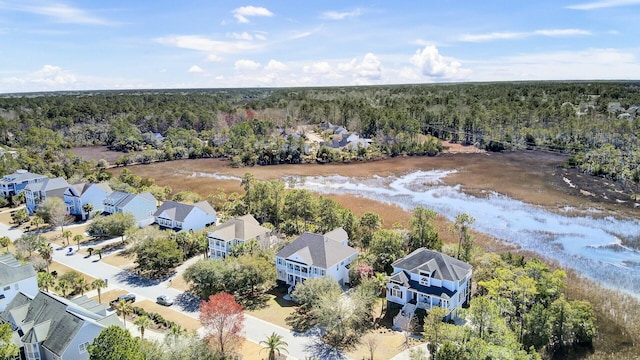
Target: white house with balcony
[142, 206]
[78, 195]
[235, 232]
[48, 327]
[315, 255]
[427, 278]
[37, 192]
[13, 184]
[185, 217]
[15, 277]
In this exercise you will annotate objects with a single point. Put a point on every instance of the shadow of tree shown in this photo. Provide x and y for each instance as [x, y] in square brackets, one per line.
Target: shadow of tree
[188, 302]
[319, 349]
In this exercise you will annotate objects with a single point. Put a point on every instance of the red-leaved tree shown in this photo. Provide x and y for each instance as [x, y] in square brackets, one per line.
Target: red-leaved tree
[223, 320]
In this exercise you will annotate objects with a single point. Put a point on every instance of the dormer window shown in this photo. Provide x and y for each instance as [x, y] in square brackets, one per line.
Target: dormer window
[425, 278]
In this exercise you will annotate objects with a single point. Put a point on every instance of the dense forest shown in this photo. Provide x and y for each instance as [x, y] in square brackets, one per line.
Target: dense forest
[597, 123]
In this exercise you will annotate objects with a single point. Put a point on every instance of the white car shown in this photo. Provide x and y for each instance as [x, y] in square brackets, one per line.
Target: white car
[164, 300]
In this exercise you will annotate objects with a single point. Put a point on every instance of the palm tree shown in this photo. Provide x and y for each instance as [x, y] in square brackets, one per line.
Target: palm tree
[45, 280]
[99, 284]
[274, 344]
[67, 234]
[381, 280]
[5, 241]
[87, 209]
[82, 285]
[45, 250]
[37, 221]
[77, 239]
[175, 331]
[123, 308]
[64, 286]
[143, 322]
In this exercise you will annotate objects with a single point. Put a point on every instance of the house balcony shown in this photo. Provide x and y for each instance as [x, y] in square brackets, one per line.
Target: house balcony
[298, 273]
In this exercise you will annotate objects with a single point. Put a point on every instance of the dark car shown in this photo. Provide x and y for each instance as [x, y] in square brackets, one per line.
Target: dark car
[127, 298]
[164, 300]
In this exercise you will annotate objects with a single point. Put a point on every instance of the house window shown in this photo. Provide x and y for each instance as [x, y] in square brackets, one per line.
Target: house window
[83, 347]
[32, 352]
[396, 292]
[425, 280]
[8, 287]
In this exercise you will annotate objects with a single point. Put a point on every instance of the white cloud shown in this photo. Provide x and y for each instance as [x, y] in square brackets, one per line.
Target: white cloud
[260, 37]
[430, 63]
[244, 64]
[275, 65]
[241, 36]
[214, 58]
[364, 72]
[59, 12]
[335, 15]
[522, 35]
[300, 35]
[213, 48]
[317, 68]
[53, 75]
[243, 12]
[603, 4]
[587, 64]
[195, 69]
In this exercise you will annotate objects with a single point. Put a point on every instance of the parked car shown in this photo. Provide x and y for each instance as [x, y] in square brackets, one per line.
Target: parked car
[164, 300]
[127, 297]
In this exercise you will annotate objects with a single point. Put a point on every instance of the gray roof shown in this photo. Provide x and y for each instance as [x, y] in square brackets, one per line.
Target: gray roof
[20, 176]
[317, 250]
[50, 320]
[12, 271]
[438, 265]
[179, 211]
[242, 228]
[121, 198]
[81, 188]
[51, 187]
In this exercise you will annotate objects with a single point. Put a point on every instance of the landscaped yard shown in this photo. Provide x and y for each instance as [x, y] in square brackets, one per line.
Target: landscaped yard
[119, 260]
[276, 309]
[62, 269]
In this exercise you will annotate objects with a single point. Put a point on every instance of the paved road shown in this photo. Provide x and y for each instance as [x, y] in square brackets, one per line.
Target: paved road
[256, 330]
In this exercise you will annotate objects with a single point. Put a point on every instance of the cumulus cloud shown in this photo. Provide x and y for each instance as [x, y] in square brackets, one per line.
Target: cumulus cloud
[603, 4]
[366, 71]
[195, 69]
[522, 35]
[336, 15]
[53, 75]
[275, 65]
[317, 68]
[430, 63]
[244, 64]
[242, 13]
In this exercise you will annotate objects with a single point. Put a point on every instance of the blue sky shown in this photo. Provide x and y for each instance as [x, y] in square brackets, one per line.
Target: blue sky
[83, 45]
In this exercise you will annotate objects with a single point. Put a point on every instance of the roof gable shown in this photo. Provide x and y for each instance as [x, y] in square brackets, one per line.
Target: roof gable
[316, 250]
[12, 271]
[438, 265]
[242, 228]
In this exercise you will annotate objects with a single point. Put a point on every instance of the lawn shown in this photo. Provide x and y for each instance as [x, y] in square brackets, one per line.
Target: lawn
[119, 260]
[185, 321]
[62, 269]
[276, 309]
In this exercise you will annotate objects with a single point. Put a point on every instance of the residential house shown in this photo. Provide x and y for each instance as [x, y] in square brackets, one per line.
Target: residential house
[78, 195]
[15, 277]
[142, 206]
[427, 278]
[15, 183]
[38, 192]
[179, 216]
[49, 327]
[315, 255]
[234, 232]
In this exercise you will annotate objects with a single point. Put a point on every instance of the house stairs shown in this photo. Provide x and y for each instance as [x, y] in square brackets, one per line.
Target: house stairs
[403, 320]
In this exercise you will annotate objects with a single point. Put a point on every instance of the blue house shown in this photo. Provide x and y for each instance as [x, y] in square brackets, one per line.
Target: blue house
[15, 183]
[142, 206]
